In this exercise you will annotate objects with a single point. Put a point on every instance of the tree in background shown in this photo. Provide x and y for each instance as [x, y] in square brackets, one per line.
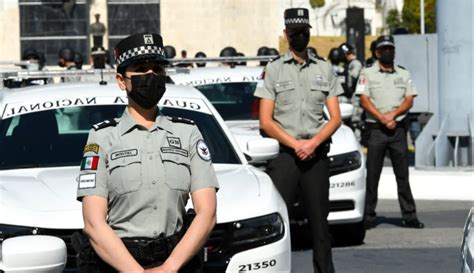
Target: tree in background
[316, 3]
[411, 16]
[393, 20]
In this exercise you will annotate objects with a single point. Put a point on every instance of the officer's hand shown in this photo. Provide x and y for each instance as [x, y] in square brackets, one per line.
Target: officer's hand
[391, 125]
[305, 149]
[384, 120]
[390, 116]
[160, 269]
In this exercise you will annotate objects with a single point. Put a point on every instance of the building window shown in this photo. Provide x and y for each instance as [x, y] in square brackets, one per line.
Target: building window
[127, 17]
[48, 26]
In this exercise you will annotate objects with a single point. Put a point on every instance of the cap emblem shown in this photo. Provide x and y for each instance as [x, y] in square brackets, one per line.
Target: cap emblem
[300, 12]
[148, 39]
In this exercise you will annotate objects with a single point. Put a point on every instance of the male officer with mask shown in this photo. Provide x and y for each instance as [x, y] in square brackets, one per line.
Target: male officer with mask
[386, 93]
[295, 88]
[135, 182]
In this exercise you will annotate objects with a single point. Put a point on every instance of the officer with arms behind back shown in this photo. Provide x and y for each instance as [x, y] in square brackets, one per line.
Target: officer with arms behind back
[134, 181]
[386, 93]
[293, 93]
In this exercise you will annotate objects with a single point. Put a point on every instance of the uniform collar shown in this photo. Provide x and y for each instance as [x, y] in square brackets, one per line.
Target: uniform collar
[395, 69]
[127, 123]
[288, 58]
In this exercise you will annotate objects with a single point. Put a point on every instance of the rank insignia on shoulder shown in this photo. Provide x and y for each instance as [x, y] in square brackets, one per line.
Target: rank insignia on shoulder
[182, 120]
[105, 124]
[91, 147]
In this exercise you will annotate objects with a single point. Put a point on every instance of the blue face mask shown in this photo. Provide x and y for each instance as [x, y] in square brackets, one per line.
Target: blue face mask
[147, 89]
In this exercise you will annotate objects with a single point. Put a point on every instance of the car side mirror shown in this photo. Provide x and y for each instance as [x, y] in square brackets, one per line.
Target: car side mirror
[26, 253]
[261, 149]
[346, 110]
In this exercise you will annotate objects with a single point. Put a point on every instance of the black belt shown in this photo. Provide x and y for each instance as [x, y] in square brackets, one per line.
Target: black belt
[147, 250]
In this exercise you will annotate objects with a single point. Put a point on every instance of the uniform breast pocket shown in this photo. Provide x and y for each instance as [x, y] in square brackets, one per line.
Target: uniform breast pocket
[318, 96]
[284, 92]
[125, 174]
[399, 91]
[177, 171]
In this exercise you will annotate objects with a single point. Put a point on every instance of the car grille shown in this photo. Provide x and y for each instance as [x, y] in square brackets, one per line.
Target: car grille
[341, 205]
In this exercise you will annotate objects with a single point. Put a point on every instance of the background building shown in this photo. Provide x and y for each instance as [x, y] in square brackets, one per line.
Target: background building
[199, 25]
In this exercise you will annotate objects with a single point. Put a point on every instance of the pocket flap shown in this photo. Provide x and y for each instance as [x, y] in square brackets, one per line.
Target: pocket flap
[320, 86]
[284, 86]
[178, 156]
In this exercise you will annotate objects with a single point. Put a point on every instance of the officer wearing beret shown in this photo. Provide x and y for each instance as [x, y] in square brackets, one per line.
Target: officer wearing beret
[292, 96]
[134, 187]
[386, 93]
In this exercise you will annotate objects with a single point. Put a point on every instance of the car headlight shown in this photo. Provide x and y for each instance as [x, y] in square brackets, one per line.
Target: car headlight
[258, 231]
[344, 163]
[9, 231]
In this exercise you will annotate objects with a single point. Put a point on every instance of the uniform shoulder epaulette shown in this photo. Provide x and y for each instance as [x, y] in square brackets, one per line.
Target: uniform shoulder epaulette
[402, 67]
[275, 59]
[182, 120]
[105, 124]
[320, 58]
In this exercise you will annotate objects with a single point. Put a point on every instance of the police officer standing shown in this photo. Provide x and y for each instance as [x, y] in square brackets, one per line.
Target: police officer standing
[137, 173]
[293, 93]
[386, 93]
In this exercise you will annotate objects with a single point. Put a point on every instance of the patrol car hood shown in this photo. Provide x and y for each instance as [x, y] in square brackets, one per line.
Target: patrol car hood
[40, 197]
[244, 130]
[244, 192]
[46, 197]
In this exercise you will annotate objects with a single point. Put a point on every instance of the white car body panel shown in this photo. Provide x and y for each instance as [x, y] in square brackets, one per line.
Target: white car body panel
[467, 247]
[343, 140]
[46, 197]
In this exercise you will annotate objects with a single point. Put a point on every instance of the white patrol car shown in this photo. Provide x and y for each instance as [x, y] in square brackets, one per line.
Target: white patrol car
[231, 91]
[43, 130]
[467, 246]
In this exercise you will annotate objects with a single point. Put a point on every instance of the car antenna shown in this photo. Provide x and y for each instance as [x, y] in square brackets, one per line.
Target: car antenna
[102, 82]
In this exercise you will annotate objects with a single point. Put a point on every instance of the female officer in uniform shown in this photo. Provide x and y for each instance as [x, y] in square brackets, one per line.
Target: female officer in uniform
[134, 180]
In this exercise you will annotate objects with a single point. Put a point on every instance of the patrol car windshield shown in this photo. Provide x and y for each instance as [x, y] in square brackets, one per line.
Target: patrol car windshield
[234, 101]
[57, 137]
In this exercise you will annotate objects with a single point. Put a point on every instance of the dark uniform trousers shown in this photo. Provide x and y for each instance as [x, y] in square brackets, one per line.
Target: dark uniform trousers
[312, 177]
[380, 140]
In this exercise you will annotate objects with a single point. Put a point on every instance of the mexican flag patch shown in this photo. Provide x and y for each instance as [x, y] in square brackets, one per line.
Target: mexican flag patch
[89, 163]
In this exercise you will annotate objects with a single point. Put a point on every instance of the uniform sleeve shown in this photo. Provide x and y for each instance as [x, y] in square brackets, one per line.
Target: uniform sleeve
[92, 179]
[202, 170]
[266, 86]
[354, 69]
[362, 87]
[410, 86]
[335, 87]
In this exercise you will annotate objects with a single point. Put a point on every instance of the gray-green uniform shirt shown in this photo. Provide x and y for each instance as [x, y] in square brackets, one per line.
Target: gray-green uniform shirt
[300, 92]
[145, 174]
[386, 90]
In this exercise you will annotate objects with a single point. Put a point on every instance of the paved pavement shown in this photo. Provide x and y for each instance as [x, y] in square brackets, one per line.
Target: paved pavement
[388, 248]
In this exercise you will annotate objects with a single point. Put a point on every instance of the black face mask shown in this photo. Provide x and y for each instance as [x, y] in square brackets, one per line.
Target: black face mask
[147, 89]
[387, 57]
[299, 41]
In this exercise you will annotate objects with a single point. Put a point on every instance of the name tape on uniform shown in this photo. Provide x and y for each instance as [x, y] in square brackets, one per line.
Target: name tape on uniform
[87, 181]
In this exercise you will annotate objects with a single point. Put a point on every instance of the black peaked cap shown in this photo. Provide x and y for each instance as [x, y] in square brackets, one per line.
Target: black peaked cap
[297, 17]
[140, 47]
[385, 40]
